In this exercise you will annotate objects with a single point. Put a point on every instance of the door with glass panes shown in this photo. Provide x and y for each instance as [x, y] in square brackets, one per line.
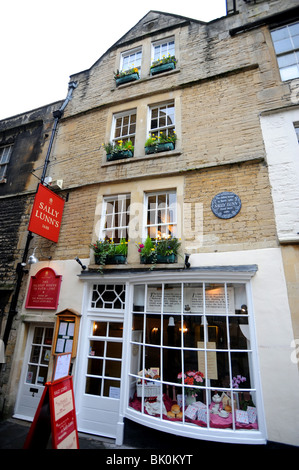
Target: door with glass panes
[35, 370]
[101, 382]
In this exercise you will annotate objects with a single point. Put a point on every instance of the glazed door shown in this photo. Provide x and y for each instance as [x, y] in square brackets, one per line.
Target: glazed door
[99, 400]
[35, 371]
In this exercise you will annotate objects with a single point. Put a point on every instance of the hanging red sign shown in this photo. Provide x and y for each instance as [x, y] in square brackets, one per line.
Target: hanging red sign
[46, 215]
[44, 290]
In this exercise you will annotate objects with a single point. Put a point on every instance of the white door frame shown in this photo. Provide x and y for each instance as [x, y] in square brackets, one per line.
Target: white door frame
[27, 391]
[88, 316]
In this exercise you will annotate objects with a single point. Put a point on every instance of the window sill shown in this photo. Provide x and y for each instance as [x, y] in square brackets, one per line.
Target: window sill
[145, 79]
[137, 266]
[169, 153]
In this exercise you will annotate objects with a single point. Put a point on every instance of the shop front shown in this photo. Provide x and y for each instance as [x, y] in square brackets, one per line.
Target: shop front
[194, 352]
[174, 350]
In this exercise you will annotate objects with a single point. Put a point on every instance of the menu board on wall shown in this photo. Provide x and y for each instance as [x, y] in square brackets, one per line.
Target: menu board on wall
[215, 301]
[65, 338]
[62, 365]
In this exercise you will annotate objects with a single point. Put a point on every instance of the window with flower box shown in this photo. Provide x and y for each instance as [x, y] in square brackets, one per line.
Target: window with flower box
[163, 48]
[163, 56]
[192, 357]
[131, 59]
[124, 127]
[161, 132]
[130, 65]
[121, 144]
[161, 215]
[162, 118]
[115, 219]
[286, 45]
[112, 247]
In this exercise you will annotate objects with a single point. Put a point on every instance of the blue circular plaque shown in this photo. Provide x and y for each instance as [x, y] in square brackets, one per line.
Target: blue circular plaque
[226, 205]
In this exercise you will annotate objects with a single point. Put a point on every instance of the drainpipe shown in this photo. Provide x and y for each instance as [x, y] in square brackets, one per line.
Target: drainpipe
[57, 115]
[20, 266]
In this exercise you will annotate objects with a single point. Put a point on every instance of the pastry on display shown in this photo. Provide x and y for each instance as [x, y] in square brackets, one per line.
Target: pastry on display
[175, 409]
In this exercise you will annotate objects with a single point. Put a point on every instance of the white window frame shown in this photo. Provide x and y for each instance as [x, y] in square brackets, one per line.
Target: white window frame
[119, 229]
[244, 436]
[124, 135]
[5, 154]
[163, 48]
[287, 54]
[132, 60]
[170, 206]
[160, 128]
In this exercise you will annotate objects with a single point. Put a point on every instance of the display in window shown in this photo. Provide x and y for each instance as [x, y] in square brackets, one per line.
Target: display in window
[216, 299]
[211, 360]
[191, 355]
[191, 378]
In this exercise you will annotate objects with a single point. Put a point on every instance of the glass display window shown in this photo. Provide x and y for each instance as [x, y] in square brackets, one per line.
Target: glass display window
[191, 355]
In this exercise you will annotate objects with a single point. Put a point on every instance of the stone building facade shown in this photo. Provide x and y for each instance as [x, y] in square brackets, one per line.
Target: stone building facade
[24, 141]
[227, 306]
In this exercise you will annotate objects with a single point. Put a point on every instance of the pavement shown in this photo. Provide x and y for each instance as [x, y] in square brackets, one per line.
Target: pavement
[142, 441]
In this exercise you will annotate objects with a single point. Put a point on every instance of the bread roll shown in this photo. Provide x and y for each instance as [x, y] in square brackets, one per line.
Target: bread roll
[175, 409]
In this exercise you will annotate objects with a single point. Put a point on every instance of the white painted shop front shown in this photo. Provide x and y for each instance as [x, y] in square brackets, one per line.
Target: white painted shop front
[140, 331]
[228, 318]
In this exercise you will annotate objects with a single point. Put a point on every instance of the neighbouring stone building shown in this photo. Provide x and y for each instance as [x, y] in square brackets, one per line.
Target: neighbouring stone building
[219, 103]
[24, 141]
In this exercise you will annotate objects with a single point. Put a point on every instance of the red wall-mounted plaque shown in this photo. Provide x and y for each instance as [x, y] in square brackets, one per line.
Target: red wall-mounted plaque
[46, 215]
[44, 289]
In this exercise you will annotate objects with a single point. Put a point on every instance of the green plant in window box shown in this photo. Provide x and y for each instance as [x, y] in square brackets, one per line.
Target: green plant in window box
[126, 76]
[168, 247]
[159, 250]
[108, 252]
[160, 142]
[164, 64]
[122, 149]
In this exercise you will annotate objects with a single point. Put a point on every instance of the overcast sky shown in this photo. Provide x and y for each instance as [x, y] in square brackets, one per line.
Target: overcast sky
[43, 43]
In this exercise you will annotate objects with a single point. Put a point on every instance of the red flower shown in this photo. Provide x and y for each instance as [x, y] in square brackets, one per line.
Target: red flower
[189, 381]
